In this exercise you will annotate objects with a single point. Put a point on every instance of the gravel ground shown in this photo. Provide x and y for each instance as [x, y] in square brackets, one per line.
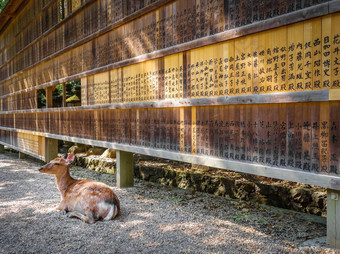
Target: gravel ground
[154, 219]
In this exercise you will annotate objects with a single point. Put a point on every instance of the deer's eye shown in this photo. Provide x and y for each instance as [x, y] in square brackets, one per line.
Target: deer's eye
[56, 164]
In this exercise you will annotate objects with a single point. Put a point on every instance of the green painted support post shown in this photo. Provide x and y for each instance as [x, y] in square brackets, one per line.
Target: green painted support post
[2, 148]
[333, 218]
[51, 149]
[125, 171]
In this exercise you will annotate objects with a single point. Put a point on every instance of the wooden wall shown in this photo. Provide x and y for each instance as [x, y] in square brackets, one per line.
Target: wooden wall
[245, 81]
[292, 135]
[298, 57]
[54, 46]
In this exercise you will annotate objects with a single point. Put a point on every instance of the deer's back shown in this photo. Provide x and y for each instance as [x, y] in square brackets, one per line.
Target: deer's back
[86, 194]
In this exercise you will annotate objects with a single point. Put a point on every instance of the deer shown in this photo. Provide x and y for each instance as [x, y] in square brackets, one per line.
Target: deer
[85, 199]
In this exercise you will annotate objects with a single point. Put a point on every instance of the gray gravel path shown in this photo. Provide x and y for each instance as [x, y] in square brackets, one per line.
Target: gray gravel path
[155, 219]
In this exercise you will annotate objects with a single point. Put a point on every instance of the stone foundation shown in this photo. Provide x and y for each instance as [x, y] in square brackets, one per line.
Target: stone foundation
[301, 199]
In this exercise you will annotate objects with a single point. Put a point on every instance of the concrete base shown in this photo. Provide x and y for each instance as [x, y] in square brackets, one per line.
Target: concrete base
[316, 242]
[51, 149]
[22, 155]
[333, 219]
[125, 172]
[2, 148]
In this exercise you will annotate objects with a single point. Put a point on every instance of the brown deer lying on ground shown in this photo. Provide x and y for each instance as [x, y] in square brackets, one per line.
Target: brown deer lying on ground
[85, 199]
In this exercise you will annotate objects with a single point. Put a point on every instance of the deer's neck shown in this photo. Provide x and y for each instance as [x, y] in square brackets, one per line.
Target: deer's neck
[64, 181]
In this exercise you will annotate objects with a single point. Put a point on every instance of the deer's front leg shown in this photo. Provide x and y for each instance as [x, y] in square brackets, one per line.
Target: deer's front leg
[62, 206]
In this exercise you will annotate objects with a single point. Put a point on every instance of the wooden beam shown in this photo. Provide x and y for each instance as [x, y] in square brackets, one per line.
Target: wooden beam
[327, 181]
[289, 97]
[334, 6]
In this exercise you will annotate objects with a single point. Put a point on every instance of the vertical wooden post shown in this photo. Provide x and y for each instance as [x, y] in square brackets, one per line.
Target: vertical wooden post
[49, 97]
[64, 95]
[125, 171]
[333, 218]
[51, 149]
[36, 99]
[2, 148]
[22, 156]
[49, 101]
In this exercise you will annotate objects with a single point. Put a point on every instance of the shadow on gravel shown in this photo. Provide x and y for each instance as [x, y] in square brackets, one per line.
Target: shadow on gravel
[250, 220]
[22, 187]
[155, 219]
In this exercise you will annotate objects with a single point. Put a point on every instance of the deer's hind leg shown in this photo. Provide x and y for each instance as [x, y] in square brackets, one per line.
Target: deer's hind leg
[86, 218]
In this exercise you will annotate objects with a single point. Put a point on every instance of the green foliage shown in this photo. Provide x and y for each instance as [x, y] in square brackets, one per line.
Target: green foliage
[58, 96]
[61, 9]
[173, 198]
[262, 221]
[58, 90]
[246, 217]
[73, 88]
[3, 4]
[243, 217]
[41, 94]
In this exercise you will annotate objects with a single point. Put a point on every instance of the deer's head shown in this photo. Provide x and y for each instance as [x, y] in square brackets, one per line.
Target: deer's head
[57, 166]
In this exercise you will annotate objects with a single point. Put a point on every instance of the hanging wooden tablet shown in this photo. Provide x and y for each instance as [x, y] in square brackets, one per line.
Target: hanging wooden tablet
[334, 134]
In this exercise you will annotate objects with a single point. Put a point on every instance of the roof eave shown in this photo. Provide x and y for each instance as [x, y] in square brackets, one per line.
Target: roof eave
[12, 8]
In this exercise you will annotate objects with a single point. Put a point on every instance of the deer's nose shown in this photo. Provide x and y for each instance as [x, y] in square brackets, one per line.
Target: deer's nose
[40, 169]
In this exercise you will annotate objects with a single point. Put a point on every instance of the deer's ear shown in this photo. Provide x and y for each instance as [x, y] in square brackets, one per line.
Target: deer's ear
[70, 158]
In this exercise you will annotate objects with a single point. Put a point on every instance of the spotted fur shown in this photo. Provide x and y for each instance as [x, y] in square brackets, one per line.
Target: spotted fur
[85, 199]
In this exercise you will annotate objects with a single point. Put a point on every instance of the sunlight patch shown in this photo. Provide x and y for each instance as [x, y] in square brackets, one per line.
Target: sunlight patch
[47, 210]
[187, 227]
[4, 165]
[136, 234]
[5, 183]
[132, 223]
[145, 215]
